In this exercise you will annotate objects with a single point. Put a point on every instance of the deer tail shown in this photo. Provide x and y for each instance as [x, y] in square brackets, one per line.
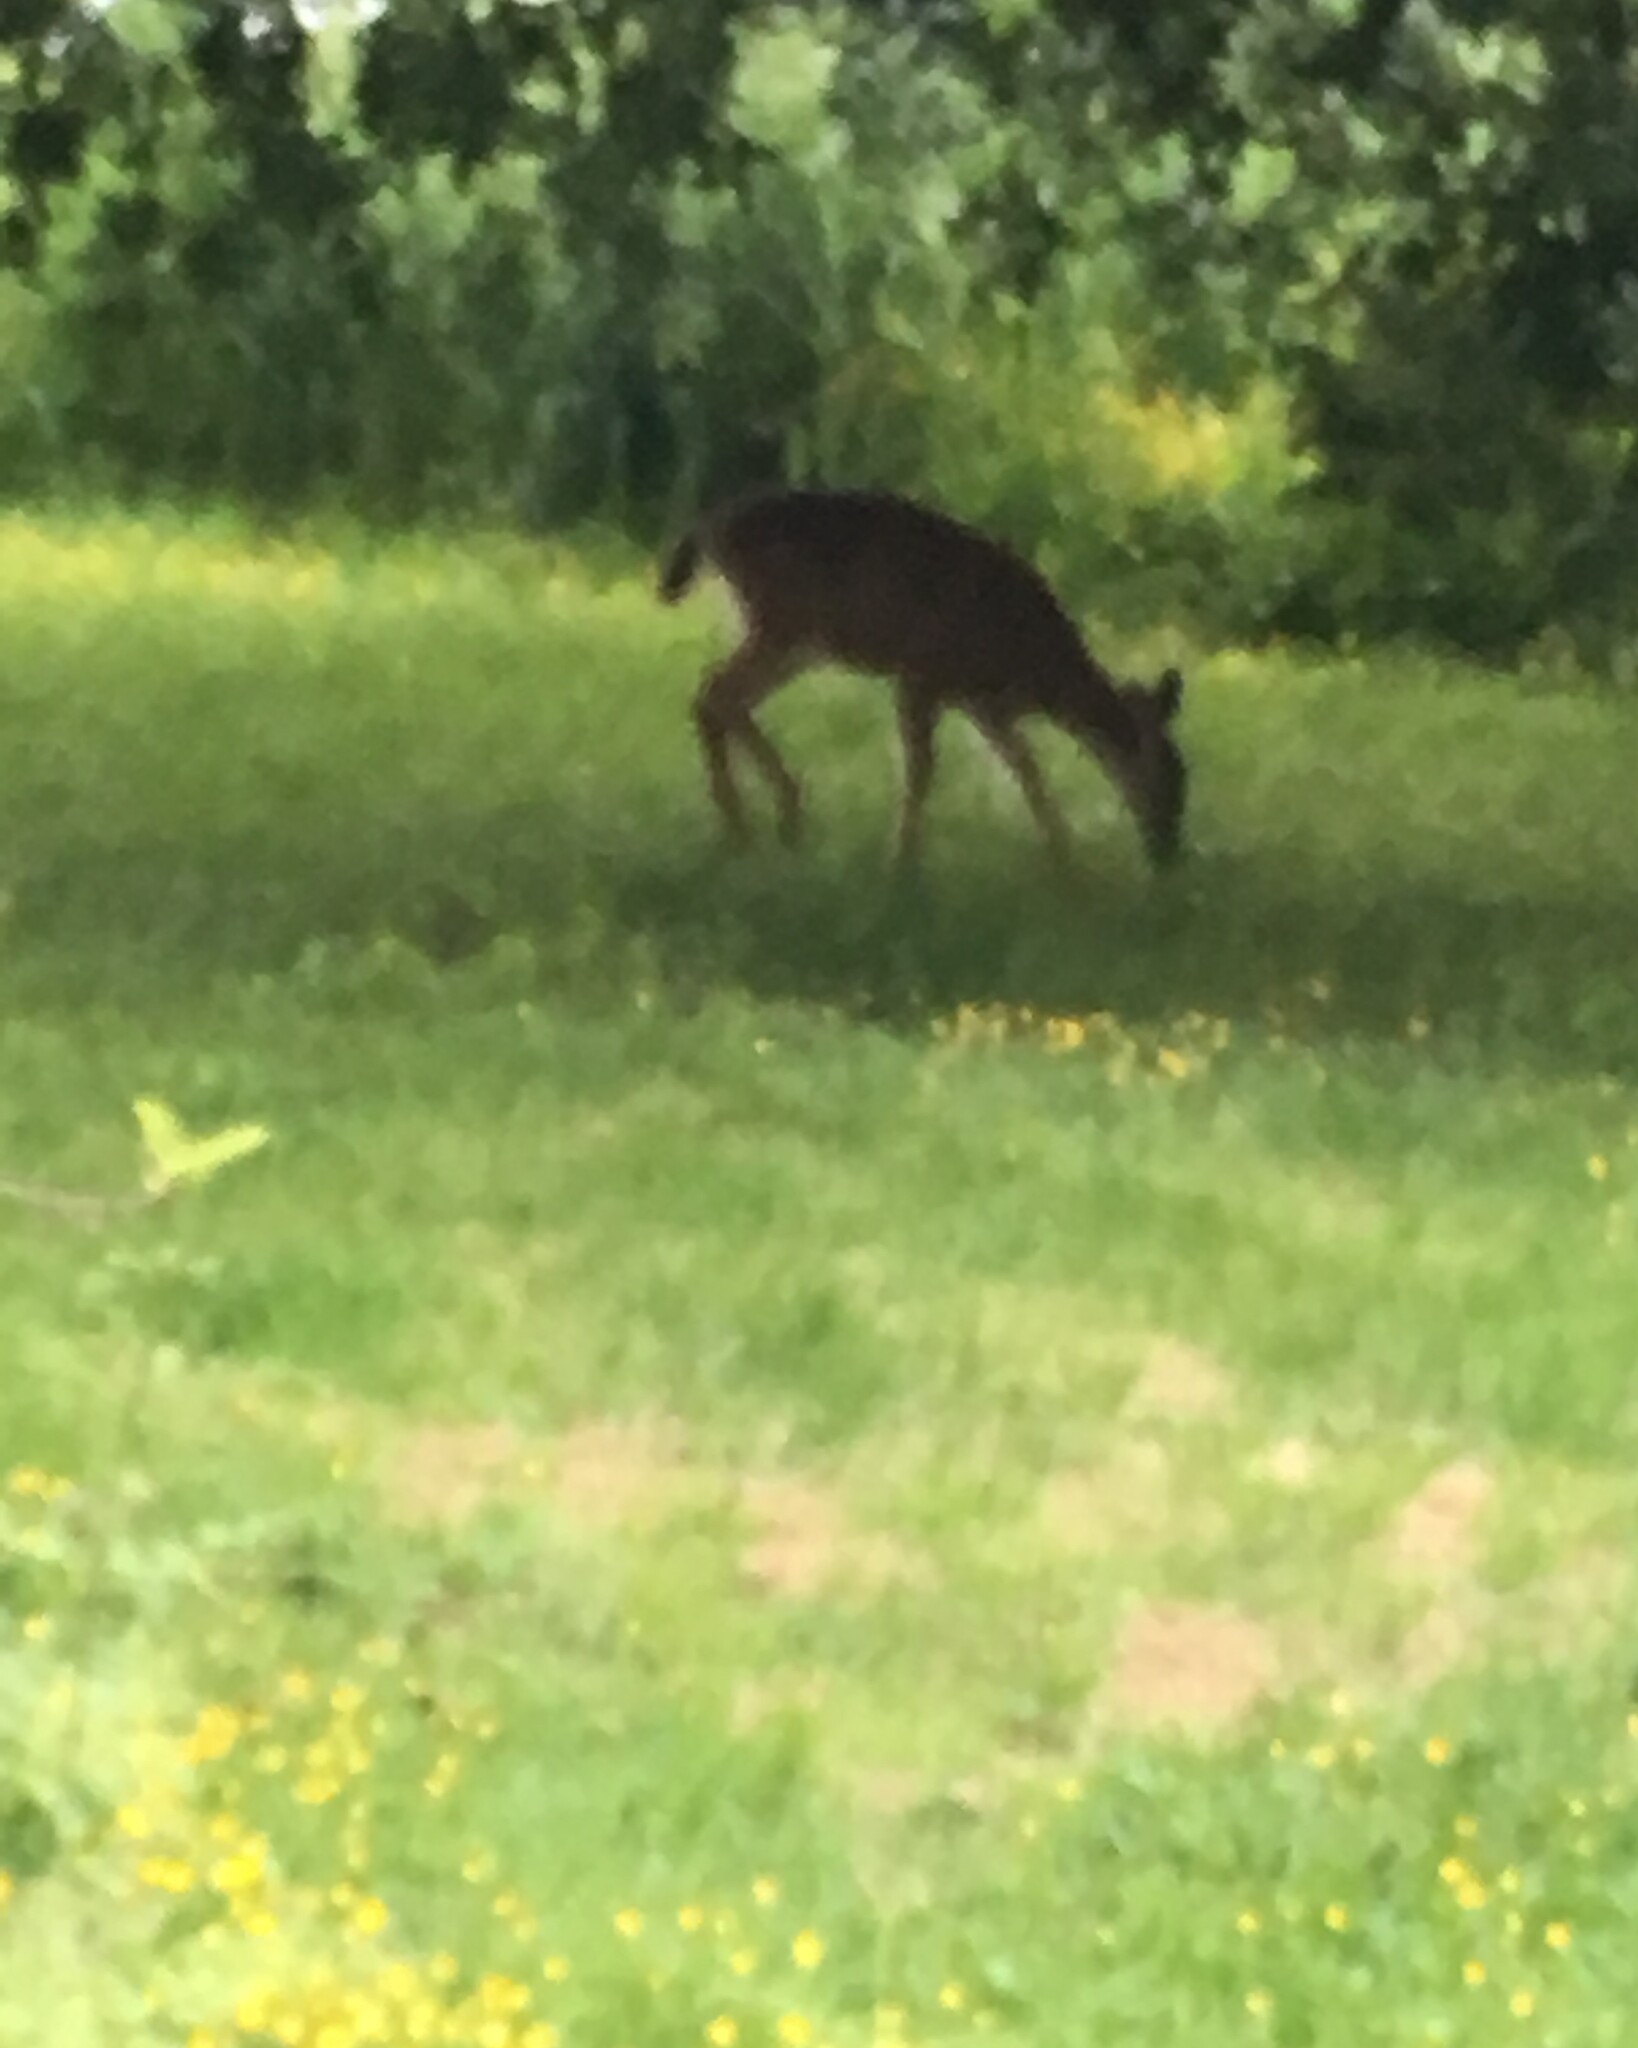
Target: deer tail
[680, 568]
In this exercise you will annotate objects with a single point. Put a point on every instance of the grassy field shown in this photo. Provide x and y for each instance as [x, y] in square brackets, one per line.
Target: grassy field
[769, 1458]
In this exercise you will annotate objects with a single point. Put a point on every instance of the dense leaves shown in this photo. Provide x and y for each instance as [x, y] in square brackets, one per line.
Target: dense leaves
[557, 258]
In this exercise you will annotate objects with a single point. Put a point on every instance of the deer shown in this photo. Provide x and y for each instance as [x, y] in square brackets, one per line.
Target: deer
[881, 584]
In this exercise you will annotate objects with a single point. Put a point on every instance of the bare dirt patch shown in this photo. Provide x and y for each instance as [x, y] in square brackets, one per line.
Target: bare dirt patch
[1450, 1631]
[604, 1474]
[443, 1472]
[802, 1544]
[1183, 1665]
[1179, 1382]
[1436, 1533]
[1579, 1605]
[622, 1473]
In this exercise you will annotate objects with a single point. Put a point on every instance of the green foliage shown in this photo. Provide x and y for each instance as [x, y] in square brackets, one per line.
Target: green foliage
[485, 255]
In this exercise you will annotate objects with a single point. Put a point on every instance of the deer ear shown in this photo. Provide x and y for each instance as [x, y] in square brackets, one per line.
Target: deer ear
[1169, 694]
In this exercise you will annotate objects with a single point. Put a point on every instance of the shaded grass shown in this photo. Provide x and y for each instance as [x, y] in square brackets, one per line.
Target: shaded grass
[883, 1234]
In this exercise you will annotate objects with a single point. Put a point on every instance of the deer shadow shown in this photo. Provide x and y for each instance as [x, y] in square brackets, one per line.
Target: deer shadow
[1533, 975]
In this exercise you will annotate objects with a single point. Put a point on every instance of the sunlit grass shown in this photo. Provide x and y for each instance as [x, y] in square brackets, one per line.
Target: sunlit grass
[766, 1458]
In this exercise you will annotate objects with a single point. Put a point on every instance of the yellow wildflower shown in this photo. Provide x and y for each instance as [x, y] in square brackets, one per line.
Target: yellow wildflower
[1557, 1934]
[369, 1916]
[214, 1733]
[398, 1981]
[723, 2031]
[795, 2030]
[29, 1482]
[1474, 1973]
[555, 1969]
[628, 1922]
[807, 1950]
[500, 1997]
[1336, 1918]
[442, 1775]
[242, 1871]
[254, 2014]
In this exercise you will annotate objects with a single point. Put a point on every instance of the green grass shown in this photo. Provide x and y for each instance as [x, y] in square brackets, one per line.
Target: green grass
[769, 1456]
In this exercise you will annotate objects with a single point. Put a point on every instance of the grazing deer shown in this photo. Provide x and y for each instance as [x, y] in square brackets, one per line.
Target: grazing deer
[874, 582]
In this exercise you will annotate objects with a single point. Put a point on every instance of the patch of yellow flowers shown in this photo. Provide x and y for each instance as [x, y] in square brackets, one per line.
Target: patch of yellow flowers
[1185, 1048]
[235, 1858]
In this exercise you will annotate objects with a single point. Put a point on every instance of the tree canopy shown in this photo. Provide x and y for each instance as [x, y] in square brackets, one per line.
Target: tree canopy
[618, 254]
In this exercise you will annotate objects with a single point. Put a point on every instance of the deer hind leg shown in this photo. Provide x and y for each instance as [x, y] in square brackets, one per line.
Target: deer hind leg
[918, 723]
[1019, 758]
[722, 714]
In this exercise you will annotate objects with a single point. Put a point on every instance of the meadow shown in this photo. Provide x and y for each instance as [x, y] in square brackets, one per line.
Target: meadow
[770, 1456]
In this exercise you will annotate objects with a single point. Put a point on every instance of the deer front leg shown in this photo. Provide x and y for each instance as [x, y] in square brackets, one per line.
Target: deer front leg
[918, 725]
[787, 790]
[1019, 758]
[722, 714]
